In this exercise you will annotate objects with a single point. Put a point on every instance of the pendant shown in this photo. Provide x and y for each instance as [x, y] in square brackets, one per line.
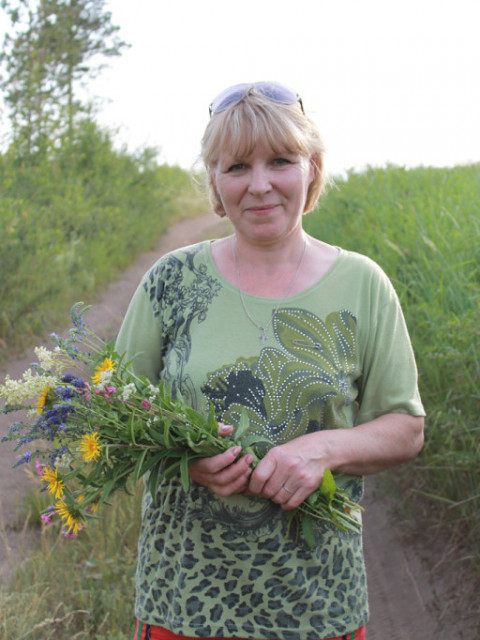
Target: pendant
[263, 337]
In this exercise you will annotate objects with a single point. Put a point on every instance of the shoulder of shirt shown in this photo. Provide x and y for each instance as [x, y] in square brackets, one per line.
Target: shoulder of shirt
[181, 255]
[359, 260]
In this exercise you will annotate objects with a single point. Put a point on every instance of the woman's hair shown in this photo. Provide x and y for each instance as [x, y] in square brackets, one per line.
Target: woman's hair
[255, 119]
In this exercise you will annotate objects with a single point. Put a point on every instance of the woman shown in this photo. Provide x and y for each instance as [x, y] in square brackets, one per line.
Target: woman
[310, 341]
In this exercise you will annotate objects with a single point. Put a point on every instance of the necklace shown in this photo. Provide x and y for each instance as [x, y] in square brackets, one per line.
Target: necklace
[263, 329]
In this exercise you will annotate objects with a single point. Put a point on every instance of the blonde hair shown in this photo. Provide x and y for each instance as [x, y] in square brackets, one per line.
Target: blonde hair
[256, 119]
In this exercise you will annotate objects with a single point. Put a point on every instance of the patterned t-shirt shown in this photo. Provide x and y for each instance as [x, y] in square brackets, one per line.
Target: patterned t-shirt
[336, 355]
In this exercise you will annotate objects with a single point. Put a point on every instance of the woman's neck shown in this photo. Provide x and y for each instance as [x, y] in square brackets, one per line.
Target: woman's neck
[268, 271]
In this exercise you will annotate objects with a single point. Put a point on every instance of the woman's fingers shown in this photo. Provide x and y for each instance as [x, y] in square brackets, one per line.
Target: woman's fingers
[214, 464]
[224, 430]
[224, 474]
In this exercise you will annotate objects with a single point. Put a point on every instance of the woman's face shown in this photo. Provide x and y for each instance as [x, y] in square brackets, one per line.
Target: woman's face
[263, 194]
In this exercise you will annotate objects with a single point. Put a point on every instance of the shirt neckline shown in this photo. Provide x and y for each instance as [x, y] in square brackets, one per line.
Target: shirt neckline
[296, 296]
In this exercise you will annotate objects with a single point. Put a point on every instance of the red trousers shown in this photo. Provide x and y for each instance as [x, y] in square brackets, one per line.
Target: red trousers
[149, 632]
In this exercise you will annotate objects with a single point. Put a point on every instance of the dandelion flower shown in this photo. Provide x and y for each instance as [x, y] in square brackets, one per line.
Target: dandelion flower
[54, 483]
[107, 366]
[90, 448]
[42, 400]
[70, 516]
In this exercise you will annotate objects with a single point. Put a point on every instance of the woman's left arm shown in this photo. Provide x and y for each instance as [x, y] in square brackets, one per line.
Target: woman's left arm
[289, 473]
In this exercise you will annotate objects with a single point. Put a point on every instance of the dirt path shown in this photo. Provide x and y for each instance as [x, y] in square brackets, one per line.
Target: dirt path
[413, 596]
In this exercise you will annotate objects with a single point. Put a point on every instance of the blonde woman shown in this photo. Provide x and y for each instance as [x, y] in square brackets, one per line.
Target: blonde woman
[310, 341]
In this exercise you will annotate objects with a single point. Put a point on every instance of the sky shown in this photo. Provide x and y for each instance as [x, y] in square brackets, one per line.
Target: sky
[386, 81]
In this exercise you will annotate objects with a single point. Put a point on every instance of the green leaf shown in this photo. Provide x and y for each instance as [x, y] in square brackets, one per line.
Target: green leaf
[243, 425]
[328, 487]
[307, 530]
[184, 471]
[249, 441]
[131, 424]
[154, 481]
[138, 467]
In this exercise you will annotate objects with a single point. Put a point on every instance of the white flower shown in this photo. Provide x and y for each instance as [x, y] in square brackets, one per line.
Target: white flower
[127, 391]
[19, 392]
[105, 378]
[45, 358]
[51, 360]
[63, 461]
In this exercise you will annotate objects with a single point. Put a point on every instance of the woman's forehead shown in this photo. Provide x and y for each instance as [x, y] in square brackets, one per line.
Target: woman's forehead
[246, 151]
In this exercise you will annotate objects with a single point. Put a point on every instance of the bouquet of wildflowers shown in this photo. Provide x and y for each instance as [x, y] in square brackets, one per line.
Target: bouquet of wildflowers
[94, 428]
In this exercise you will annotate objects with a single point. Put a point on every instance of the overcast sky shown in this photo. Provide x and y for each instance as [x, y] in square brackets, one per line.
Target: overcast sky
[386, 81]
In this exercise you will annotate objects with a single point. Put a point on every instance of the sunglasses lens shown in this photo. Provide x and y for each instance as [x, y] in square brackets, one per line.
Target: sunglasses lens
[271, 90]
[229, 96]
[277, 92]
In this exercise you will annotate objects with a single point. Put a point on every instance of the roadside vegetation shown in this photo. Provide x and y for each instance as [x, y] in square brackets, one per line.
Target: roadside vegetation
[423, 227]
[66, 230]
[74, 209]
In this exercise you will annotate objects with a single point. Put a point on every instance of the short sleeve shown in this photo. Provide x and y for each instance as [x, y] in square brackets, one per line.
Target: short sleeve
[140, 337]
[389, 382]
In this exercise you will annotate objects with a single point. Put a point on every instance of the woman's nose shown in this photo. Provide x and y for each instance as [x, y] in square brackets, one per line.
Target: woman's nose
[259, 180]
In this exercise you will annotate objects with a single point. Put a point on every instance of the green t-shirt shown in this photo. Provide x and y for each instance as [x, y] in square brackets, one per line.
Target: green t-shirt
[336, 355]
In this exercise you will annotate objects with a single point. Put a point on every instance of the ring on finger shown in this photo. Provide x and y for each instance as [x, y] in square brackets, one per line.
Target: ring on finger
[287, 490]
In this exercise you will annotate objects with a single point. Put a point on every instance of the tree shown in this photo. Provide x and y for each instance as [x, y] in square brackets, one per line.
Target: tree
[56, 45]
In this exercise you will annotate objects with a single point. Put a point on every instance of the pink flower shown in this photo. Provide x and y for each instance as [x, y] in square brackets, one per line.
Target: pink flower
[106, 392]
[47, 517]
[39, 468]
[146, 404]
[88, 391]
[67, 534]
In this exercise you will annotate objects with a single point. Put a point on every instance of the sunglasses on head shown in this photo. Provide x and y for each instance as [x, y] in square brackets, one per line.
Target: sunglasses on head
[271, 90]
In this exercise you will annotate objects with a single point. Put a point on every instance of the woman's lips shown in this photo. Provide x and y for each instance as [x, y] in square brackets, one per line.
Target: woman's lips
[264, 208]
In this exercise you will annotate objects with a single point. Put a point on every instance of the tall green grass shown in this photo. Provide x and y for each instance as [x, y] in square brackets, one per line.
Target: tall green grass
[68, 225]
[423, 227]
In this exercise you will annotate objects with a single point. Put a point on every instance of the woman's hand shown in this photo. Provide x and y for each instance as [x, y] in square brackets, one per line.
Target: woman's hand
[290, 472]
[225, 473]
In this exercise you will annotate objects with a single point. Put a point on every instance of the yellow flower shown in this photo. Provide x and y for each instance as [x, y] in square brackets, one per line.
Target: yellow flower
[42, 399]
[107, 365]
[54, 484]
[90, 448]
[71, 519]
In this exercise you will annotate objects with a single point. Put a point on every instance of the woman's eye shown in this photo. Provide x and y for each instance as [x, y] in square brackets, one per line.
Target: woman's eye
[236, 167]
[279, 162]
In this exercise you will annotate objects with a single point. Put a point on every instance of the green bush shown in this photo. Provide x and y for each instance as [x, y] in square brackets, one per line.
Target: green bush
[69, 224]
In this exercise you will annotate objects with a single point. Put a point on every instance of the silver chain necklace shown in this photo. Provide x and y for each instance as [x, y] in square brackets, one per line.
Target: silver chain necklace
[263, 329]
